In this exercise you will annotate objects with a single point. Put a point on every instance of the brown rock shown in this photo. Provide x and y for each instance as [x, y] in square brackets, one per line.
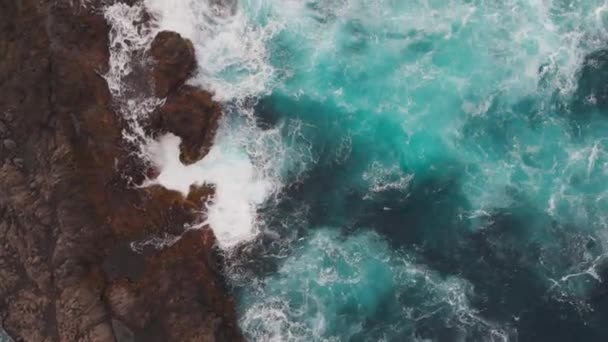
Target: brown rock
[66, 204]
[174, 61]
[26, 314]
[179, 291]
[192, 115]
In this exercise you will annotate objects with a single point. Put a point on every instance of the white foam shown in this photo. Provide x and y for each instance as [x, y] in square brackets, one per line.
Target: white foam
[231, 51]
[128, 36]
[382, 178]
[239, 189]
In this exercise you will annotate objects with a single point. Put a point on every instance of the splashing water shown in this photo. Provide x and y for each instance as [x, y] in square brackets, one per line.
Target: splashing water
[414, 170]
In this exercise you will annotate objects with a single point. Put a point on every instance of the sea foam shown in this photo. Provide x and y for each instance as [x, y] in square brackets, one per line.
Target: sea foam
[231, 51]
[232, 64]
[238, 191]
[448, 116]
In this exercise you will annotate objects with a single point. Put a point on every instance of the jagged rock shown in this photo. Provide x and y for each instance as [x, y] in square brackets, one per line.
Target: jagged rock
[192, 115]
[66, 206]
[188, 112]
[168, 289]
[174, 61]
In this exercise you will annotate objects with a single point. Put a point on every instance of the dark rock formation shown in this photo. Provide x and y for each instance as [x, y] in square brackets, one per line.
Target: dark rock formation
[68, 214]
[188, 112]
[174, 61]
[165, 304]
[191, 114]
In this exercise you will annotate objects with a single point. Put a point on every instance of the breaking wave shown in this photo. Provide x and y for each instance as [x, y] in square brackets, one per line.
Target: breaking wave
[389, 170]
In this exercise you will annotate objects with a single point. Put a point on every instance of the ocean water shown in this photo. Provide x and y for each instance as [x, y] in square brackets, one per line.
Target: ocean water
[390, 170]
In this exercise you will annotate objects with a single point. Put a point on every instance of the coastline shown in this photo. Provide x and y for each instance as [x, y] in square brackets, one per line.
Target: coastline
[71, 209]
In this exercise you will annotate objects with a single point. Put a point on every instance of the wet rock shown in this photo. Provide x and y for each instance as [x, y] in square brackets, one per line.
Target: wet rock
[188, 112]
[192, 115]
[66, 209]
[174, 61]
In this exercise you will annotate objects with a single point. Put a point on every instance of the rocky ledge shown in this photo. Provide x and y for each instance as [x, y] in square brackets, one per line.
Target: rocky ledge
[69, 212]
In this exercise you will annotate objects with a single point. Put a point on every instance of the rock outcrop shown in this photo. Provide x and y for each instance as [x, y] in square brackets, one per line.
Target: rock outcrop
[68, 212]
[191, 114]
[188, 112]
[174, 61]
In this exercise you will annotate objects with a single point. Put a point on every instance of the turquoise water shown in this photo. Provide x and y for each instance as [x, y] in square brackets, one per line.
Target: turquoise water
[447, 177]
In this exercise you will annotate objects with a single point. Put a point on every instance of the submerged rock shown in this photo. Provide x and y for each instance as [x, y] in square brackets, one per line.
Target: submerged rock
[66, 204]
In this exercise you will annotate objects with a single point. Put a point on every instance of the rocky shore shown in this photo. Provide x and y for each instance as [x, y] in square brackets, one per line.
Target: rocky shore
[69, 210]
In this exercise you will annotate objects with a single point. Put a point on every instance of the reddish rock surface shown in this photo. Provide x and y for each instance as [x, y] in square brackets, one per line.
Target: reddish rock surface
[188, 112]
[68, 214]
[191, 114]
[174, 61]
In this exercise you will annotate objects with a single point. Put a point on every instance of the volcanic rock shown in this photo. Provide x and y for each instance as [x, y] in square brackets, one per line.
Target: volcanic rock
[192, 115]
[67, 207]
[188, 112]
[174, 61]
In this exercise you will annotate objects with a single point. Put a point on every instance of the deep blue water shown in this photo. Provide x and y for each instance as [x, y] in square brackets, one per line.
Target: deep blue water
[447, 178]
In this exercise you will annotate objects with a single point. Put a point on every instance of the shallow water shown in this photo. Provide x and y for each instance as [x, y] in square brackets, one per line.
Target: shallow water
[420, 170]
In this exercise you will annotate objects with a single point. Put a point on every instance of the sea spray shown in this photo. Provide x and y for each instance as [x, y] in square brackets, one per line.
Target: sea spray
[238, 188]
[442, 161]
[236, 166]
[466, 109]
[232, 52]
[337, 287]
